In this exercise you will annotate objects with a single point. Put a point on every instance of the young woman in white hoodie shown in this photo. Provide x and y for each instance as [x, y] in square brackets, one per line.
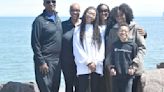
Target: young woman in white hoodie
[88, 50]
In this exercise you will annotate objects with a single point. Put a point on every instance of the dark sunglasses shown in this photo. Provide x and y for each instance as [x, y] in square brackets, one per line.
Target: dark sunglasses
[48, 2]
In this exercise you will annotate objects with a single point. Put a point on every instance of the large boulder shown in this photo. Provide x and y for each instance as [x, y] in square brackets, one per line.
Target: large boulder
[160, 65]
[153, 80]
[19, 87]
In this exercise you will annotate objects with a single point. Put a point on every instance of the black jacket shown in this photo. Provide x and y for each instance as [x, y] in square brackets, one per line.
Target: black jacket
[46, 39]
[67, 45]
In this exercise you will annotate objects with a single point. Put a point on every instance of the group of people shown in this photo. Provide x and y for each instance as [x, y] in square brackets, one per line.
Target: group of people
[103, 51]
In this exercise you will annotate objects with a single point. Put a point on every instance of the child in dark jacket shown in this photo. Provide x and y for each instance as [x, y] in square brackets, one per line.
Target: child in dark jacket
[122, 66]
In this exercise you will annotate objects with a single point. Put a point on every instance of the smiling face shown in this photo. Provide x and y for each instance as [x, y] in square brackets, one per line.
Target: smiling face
[104, 12]
[120, 17]
[50, 5]
[123, 33]
[90, 16]
[75, 11]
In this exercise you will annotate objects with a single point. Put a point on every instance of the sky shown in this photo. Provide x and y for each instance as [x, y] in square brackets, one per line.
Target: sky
[35, 7]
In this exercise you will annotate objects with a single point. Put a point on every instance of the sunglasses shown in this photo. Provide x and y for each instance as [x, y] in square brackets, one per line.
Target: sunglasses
[48, 2]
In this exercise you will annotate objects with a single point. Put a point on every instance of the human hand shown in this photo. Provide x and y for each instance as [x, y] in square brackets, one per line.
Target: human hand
[92, 67]
[112, 72]
[44, 69]
[141, 31]
[131, 71]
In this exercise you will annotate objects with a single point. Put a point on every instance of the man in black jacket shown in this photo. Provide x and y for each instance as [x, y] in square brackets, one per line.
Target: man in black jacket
[67, 58]
[46, 40]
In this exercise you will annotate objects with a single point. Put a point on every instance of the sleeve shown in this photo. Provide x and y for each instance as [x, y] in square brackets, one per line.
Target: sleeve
[110, 39]
[112, 64]
[134, 54]
[141, 43]
[78, 51]
[35, 42]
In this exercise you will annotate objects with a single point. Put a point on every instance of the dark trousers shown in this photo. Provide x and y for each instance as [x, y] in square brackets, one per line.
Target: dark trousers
[122, 83]
[69, 72]
[136, 87]
[51, 81]
[102, 84]
[89, 82]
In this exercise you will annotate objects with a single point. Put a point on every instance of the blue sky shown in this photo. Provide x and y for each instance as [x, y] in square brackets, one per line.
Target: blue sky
[35, 7]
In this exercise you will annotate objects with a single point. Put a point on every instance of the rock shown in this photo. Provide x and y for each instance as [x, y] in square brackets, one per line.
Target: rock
[19, 87]
[1, 86]
[161, 65]
[153, 81]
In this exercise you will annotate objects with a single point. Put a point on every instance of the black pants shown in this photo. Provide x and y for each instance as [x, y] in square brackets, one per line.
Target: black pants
[89, 82]
[51, 81]
[122, 83]
[69, 72]
[136, 87]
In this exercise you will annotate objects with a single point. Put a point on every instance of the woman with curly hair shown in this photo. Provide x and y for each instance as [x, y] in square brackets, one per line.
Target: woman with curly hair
[119, 15]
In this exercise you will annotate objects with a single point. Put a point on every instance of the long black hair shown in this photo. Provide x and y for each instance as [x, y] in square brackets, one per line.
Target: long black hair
[96, 31]
[99, 10]
[111, 20]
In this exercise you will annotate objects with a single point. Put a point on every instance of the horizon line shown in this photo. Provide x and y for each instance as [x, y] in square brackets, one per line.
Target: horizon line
[69, 16]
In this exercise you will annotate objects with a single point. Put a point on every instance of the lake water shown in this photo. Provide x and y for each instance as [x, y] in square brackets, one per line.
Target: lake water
[16, 63]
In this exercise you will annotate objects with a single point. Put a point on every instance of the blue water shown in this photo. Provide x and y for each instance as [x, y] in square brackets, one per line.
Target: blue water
[16, 63]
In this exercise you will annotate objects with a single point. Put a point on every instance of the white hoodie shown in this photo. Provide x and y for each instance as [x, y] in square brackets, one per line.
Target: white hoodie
[88, 52]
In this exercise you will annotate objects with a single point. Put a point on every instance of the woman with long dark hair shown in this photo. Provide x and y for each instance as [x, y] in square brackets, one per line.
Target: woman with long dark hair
[89, 49]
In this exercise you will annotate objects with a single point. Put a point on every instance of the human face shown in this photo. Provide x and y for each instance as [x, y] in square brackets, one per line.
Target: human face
[120, 18]
[104, 12]
[90, 16]
[50, 5]
[123, 33]
[75, 11]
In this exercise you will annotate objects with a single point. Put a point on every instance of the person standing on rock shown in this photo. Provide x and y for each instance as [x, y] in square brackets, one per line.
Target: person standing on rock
[46, 41]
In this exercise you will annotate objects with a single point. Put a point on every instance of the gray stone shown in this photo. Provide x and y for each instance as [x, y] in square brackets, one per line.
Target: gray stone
[153, 81]
[1, 86]
[19, 87]
[161, 65]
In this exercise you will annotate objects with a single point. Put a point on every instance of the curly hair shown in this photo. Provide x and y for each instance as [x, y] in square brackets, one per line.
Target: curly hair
[127, 11]
[114, 12]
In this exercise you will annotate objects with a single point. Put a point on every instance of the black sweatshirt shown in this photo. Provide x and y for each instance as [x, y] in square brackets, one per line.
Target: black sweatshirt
[122, 56]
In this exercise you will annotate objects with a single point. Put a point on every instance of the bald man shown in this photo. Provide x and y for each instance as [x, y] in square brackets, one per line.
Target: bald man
[67, 58]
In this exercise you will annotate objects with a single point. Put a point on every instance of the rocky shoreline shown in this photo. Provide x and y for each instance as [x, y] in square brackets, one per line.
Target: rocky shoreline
[151, 81]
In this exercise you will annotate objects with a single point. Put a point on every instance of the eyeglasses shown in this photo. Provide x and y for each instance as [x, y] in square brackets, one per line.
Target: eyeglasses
[105, 10]
[48, 2]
